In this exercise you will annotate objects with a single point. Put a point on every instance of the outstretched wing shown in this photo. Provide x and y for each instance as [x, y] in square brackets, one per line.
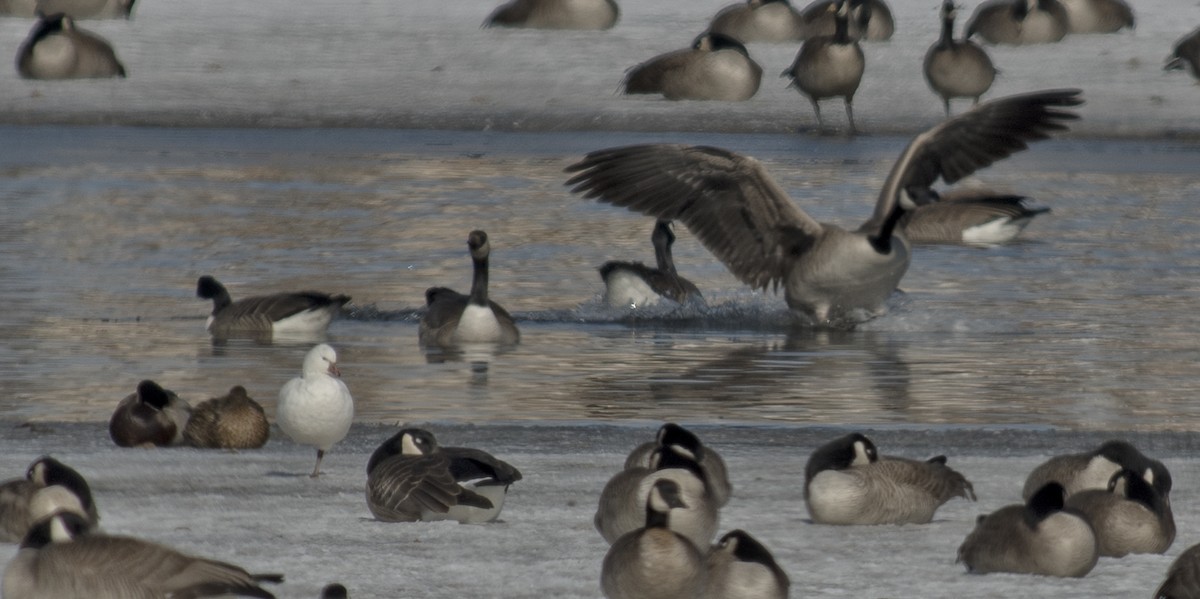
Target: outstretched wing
[727, 200]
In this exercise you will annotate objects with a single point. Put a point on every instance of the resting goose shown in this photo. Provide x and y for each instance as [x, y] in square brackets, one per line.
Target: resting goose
[302, 312]
[1186, 54]
[739, 567]
[829, 275]
[149, 417]
[654, 560]
[49, 486]
[1183, 577]
[711, 462]
[1130, 516]
[633, 284]
[57, 49]
[452, 318]
[870, 20]
[1097, 16]
[1019, 22]
[1094, 469]
[754, 21]
[555, 14]
[829, 66]
[715, 67]
[621, 505]
[957, 68]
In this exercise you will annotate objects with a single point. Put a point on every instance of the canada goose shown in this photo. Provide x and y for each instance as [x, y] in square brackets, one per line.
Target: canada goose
[654, 560]
[555, 14]
[870, 20]
[232, 421]
[828, 66]
[621, 505]
[151, 416]
[1019, 22]
[1130, 516]
[715, 67]
[77, 9]
[1183, 577]
[1097, 16]
[297, 313]
[752, 21]
[974, 217]
[739, 567]
[847, 482]
[710, 461]
[49, 486]
[334, 590]
[410, 477]
[743, 217]
[957, 68]
[452, 318]
[1094, 469]
[634, 285]
[60, 558]
[1038, 537]
[57, 49]
[316, 408]
[1186, 54]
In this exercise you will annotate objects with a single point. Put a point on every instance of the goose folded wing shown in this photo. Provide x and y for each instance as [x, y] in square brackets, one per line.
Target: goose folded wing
[425, 482]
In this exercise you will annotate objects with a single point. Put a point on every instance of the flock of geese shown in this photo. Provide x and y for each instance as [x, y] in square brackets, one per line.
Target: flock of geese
[659, 513]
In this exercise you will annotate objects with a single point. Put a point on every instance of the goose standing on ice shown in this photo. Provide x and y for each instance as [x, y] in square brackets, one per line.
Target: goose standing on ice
[828, 66]
[296, 313]
[452, 318]
[957, 68]
[316, 408]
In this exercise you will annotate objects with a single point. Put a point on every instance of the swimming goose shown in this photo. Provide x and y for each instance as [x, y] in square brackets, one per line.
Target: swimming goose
[452, 318]
[621, 506]
[870, 20]
[634, 285]
[316, 408]
[151, 416]
[1130, 516]
[829, 274]
[754, 21]
[828, 66]
[555, 14]
[410, 477]
[710, 461]
[57, 49]
[301, 312]
[1097, 16]
[957, 68]
[967, 216]
[654, 560]
[232, 421]
[1186, 54]
[715, 67]
[1019, 22]
[60, 558]
[846, 481]
[1094, 469]
[1038, 537]
[49, 486]
[739, 567]
[1183, 577]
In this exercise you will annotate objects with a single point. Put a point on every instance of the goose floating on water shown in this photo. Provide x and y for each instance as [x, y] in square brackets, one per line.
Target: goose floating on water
[452, 318]
[634, 285]
[301, 312]
[968, 216]
[830, 275]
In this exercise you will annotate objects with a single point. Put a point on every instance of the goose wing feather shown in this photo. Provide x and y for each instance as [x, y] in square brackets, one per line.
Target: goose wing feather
[409, 484]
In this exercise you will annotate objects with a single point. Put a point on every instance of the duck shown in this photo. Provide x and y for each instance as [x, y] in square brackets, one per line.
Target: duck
[149, 417]
[968, 216]
[1094, 469]
[1183, 577]
[288, 313]
[711, 462]
[870, 20]
[1186, 54]
[715, 67]
[633, 284]
[452, 318]
[831, 277]
[556, 14]
[622, 501]
[410, 478]
[49, 486]
[740, 567]
[655, 560]
[1041, 536]
[59, 557]
[846, 481]
[829, 66]
[231, 421]
[760, 21]
[1130, 516]
[957, 68]
[1019, 22]
[57, 49]
[316, 408]
[1097, 16]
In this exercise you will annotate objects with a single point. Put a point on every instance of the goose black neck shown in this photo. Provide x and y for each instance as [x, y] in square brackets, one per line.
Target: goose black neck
[657, 519]
[882, 239]
[479, 284]
[841, 20]
[662, 240]
[947, 30]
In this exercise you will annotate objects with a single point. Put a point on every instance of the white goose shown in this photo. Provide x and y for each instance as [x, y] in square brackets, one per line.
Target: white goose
[316, 408]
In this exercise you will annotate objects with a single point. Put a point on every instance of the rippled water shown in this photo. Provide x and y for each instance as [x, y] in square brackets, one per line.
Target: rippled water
[1088, 322]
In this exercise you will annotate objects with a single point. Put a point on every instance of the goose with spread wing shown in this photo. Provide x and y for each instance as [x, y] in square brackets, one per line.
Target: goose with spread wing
[829, 274]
